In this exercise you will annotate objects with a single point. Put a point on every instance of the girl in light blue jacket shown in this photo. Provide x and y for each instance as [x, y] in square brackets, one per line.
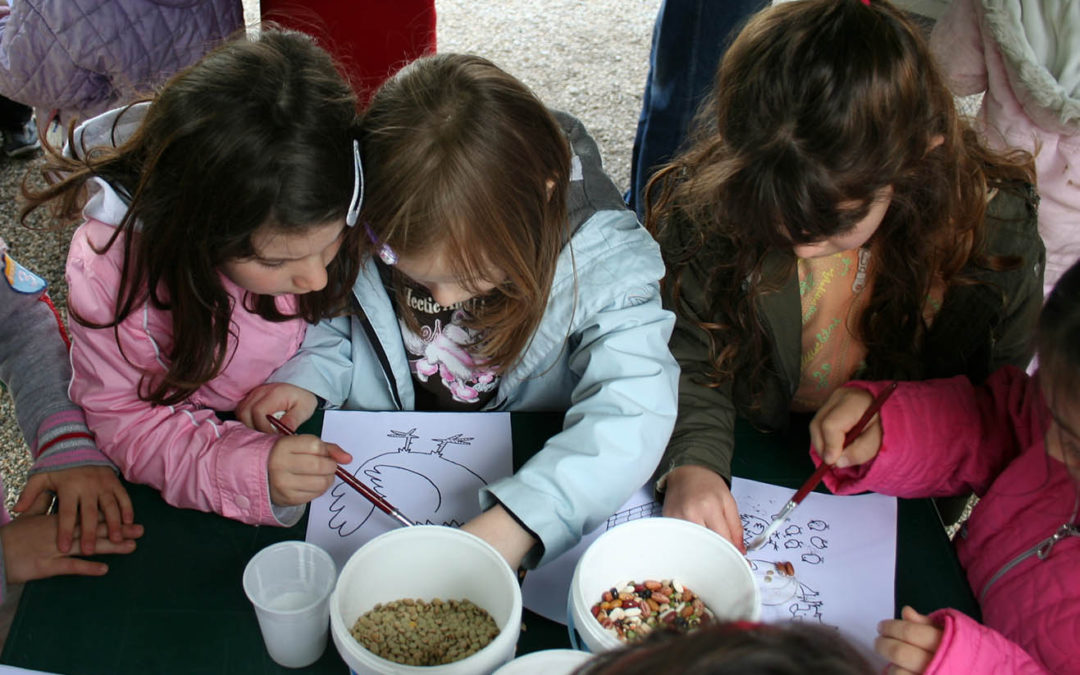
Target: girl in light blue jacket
[504, 273]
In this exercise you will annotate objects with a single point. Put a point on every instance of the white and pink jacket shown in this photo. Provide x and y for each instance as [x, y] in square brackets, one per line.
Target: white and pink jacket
[1021, 546]
[185, 450]
[1025, 56]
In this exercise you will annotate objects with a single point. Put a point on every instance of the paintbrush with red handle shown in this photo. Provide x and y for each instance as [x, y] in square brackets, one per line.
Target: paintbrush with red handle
[816, 477]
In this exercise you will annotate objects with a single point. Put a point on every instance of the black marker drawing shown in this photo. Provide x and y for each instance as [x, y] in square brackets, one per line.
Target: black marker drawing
[647, 510]
[404, 476]
[789, 594]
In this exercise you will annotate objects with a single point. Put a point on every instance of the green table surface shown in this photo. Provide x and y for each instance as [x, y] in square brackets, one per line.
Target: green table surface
[176, 605]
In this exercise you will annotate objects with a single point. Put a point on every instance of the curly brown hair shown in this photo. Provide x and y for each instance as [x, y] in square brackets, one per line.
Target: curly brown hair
[258, 133]
[818, 105]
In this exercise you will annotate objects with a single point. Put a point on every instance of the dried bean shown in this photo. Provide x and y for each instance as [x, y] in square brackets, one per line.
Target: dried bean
[640, 607]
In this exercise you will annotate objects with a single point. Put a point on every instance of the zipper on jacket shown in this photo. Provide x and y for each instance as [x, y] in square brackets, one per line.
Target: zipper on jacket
[1040, 550]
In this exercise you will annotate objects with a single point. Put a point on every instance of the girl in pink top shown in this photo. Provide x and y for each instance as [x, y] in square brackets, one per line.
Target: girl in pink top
[1015, 442]
[214, 215]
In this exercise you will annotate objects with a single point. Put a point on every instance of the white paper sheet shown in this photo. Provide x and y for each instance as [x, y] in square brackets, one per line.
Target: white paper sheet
[842, 549]
[431, 466]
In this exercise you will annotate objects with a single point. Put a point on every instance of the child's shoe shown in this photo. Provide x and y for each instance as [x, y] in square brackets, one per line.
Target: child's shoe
[22, 141]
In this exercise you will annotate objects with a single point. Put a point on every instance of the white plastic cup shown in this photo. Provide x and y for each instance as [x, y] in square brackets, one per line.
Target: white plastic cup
[426, 562]
[661, 548]
[289, 583]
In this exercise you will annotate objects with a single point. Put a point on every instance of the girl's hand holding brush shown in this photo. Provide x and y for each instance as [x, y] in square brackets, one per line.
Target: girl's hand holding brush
[840, 413]
[301, 468]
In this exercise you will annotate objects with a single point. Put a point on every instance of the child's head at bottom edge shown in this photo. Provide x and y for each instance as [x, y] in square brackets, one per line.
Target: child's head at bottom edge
[738, 647]
[1057, 343]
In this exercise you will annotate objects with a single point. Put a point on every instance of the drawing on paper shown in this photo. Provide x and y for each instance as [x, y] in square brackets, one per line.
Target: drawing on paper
[795, 547]
[405, 475]
[649, 509]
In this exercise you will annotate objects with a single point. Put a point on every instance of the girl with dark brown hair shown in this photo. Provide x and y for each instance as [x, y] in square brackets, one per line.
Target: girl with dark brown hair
[503, 272]
[213, 218]
[832, 218]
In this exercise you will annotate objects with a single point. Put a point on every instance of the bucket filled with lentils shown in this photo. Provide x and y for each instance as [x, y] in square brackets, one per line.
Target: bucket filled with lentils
[419, 633]
[426, 598]
[656, 574]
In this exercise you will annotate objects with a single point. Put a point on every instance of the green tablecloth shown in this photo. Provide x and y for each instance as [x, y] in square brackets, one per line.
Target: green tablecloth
[176, 605]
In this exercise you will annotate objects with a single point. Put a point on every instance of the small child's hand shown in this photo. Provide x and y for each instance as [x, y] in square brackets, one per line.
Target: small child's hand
[267, 399]
[702, 496]
[82, 493]
[30, 550]
[908, 643]
[301, 468]
[840, 413]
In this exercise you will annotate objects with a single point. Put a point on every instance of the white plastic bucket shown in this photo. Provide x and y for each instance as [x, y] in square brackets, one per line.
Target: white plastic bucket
[661, 548]
[426, 562]
[546, 662]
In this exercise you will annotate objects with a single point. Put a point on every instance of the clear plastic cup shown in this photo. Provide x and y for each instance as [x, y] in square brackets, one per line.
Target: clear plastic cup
[289, 583]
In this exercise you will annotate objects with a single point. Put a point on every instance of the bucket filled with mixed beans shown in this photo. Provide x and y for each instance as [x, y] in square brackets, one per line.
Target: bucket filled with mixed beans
[631, 610]
[653, 574]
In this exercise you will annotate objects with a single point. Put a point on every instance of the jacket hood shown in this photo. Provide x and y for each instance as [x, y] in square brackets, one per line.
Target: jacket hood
[1037, 39]
[106, 203]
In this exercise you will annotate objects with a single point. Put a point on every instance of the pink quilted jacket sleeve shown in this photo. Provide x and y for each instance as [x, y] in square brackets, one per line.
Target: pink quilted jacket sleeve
[195, 459]
[969, 647]
[941, 437]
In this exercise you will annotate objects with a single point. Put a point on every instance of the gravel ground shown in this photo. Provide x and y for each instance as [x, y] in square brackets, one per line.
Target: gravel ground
[588, 58]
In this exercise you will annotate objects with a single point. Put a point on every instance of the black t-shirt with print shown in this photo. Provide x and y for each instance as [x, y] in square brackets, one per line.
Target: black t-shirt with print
[445, 373]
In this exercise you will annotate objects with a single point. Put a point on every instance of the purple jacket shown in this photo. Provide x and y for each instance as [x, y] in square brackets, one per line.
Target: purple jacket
[83, 57]
[945, 437]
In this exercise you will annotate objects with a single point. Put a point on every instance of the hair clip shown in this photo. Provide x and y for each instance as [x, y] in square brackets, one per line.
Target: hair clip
[353, 214]
[386, 254]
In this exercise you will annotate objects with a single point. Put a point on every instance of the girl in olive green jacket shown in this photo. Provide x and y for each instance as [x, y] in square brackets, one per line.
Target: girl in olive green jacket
[833, 218]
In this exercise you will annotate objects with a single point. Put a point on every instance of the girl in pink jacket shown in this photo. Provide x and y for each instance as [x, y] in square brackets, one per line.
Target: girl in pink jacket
[1016, 443]
[214, 214]
[1024, 56]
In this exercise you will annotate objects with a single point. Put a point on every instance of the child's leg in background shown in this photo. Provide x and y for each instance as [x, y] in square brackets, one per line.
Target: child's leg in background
[689, 39]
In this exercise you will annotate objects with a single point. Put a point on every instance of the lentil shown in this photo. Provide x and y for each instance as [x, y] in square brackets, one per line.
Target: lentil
[633, 610]
[418, 633]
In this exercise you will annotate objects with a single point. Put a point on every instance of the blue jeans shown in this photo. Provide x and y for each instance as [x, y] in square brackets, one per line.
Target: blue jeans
[689, 39]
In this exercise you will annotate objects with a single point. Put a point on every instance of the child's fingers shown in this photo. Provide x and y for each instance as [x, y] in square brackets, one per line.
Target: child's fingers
[110, 510]
[337, 454]
[64, 566]
[67, 520]
[103, 545]
[123, 500]
[839, 414]
[34, 498]
[908, 613]
[89, 516]
[734, 527]
[312, 465]
[923, 635]
[905, 657]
